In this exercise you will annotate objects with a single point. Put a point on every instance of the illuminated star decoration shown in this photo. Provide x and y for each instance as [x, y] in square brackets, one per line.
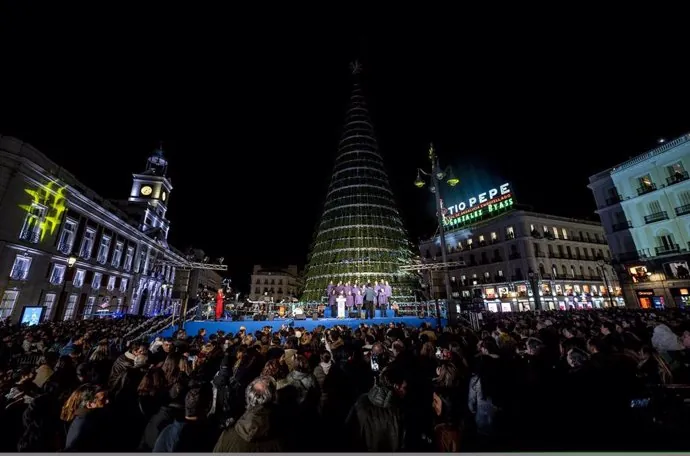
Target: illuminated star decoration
[51, 198]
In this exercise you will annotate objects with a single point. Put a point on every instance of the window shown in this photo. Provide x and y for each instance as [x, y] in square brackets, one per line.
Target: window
[9, 299]
[257, 290]
[546, 229]
[120, 305]
[555, 232]
[654, 207]
[510, 232]
[111, 283]
[646, 182]
[57, 274]
[78, 279]
[564, 269]
[117, 254]
[123, 285]
[87, 243]
[20, 268]
[88, 310]
[96, 282]
[469, 243]
[565, 233]
[280, 290]
[71, 307]
[128, 259]
[572, 271]
[103, 250]
[49, 303]
[481, 239]
[493, 236]
[31, 229]
[67, 236]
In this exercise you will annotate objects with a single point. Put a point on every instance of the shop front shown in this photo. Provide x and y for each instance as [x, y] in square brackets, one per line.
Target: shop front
[646, 298]
[681, 297]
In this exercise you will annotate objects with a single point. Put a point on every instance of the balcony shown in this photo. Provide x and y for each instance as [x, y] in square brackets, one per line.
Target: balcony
[667, 249]
[655, 217]
[683, 210]
[622, 226]
[613, 200]
[646, 189]
[677, 177]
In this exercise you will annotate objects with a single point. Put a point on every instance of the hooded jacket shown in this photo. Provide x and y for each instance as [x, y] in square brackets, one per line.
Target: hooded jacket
[375, 423]
[254, 432]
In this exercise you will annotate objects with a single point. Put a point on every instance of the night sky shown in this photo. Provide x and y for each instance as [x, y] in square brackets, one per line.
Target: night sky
[250, 107]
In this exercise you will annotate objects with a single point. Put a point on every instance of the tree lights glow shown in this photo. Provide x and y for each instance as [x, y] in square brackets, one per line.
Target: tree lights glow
[51, 197]
[361, 235]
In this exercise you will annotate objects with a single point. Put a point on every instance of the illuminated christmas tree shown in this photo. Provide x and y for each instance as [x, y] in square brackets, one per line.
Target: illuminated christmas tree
[361, 235]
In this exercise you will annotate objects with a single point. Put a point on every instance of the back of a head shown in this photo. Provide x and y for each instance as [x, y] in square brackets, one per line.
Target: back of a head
[391, 376]
[197, 403]
[261, 391]
[301, 364]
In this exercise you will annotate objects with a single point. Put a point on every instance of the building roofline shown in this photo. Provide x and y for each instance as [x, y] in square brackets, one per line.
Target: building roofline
[642, 157]
[518, 213]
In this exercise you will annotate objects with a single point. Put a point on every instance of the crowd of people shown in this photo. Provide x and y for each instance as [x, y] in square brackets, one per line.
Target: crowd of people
[580, 380]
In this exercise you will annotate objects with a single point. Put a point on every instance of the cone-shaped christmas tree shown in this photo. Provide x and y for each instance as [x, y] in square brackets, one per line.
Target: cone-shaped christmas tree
[361, 237]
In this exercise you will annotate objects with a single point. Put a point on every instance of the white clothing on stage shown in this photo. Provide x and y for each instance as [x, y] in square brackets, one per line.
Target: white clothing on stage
[341, 306]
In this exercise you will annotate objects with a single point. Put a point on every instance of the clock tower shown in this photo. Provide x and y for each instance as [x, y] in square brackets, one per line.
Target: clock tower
[148, 199]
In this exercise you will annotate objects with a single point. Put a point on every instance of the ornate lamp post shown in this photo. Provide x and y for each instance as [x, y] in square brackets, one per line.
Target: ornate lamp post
[436, 177]
[600, 266]
[534, 284]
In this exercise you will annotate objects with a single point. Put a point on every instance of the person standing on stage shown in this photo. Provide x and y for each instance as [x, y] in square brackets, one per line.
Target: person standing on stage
[369, 298]
[359, 301]
[349, 302]
[329, 288]
[383, 302]
[331, 302]
[220, 304]
[388, 290]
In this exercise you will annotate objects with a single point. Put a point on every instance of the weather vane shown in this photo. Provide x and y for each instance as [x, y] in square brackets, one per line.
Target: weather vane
[356, 67]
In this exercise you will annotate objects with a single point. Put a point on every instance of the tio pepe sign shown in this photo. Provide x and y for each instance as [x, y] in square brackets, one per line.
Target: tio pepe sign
[485, 204]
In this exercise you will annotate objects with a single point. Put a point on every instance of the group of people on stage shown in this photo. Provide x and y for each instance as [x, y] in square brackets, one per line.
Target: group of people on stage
[344, 298]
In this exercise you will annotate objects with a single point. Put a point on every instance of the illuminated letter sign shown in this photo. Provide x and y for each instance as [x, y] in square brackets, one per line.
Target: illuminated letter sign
[486, 204]
[52, 198]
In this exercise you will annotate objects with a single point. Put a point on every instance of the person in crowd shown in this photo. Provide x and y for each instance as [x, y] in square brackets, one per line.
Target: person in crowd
[257, 430]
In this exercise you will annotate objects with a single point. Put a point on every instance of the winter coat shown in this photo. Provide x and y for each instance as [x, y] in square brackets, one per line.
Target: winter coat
[487, 416]
[307, 388]
[375, 423]
[165, 416]
[91, 431]
[186, 437]
[255, 432]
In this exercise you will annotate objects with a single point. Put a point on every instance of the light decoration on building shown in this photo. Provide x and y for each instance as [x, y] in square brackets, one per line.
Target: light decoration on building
[480, 207]
[52, 197]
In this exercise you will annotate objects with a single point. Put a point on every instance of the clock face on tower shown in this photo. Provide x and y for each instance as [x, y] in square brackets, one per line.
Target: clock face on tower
[146, 190]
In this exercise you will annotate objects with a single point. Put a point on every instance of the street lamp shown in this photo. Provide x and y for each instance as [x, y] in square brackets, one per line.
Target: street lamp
[71, 261]
[600, 266]
[534, 281]
[436, 176]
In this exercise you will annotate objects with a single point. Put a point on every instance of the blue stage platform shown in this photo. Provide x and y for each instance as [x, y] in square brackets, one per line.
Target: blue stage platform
[192, 327]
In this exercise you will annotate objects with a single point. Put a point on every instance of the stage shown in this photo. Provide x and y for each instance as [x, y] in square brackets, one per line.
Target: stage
[192, 327]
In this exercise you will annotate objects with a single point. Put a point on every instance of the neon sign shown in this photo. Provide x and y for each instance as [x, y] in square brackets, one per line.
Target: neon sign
[53, 199]
[487, 204]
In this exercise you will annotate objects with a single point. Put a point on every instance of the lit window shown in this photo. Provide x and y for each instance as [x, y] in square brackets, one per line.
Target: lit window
[20, 268]
[128, 259]
[49, 303]
[35, 218]
[67, 236]
[87, 243]
[71, 307]
[96, 282]
[493, 236]
[88, 310]
[555, 232]
[57, 274]
[565, 233]
[103, 250]
[111, 283]
[481, 238]
[123, 285]
[78, 279]
[9, 299]
[117, 254]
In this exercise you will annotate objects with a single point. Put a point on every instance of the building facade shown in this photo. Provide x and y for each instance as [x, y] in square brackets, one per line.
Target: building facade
[67, 253]
[275, 283]
[511, 256]
[644, 205]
